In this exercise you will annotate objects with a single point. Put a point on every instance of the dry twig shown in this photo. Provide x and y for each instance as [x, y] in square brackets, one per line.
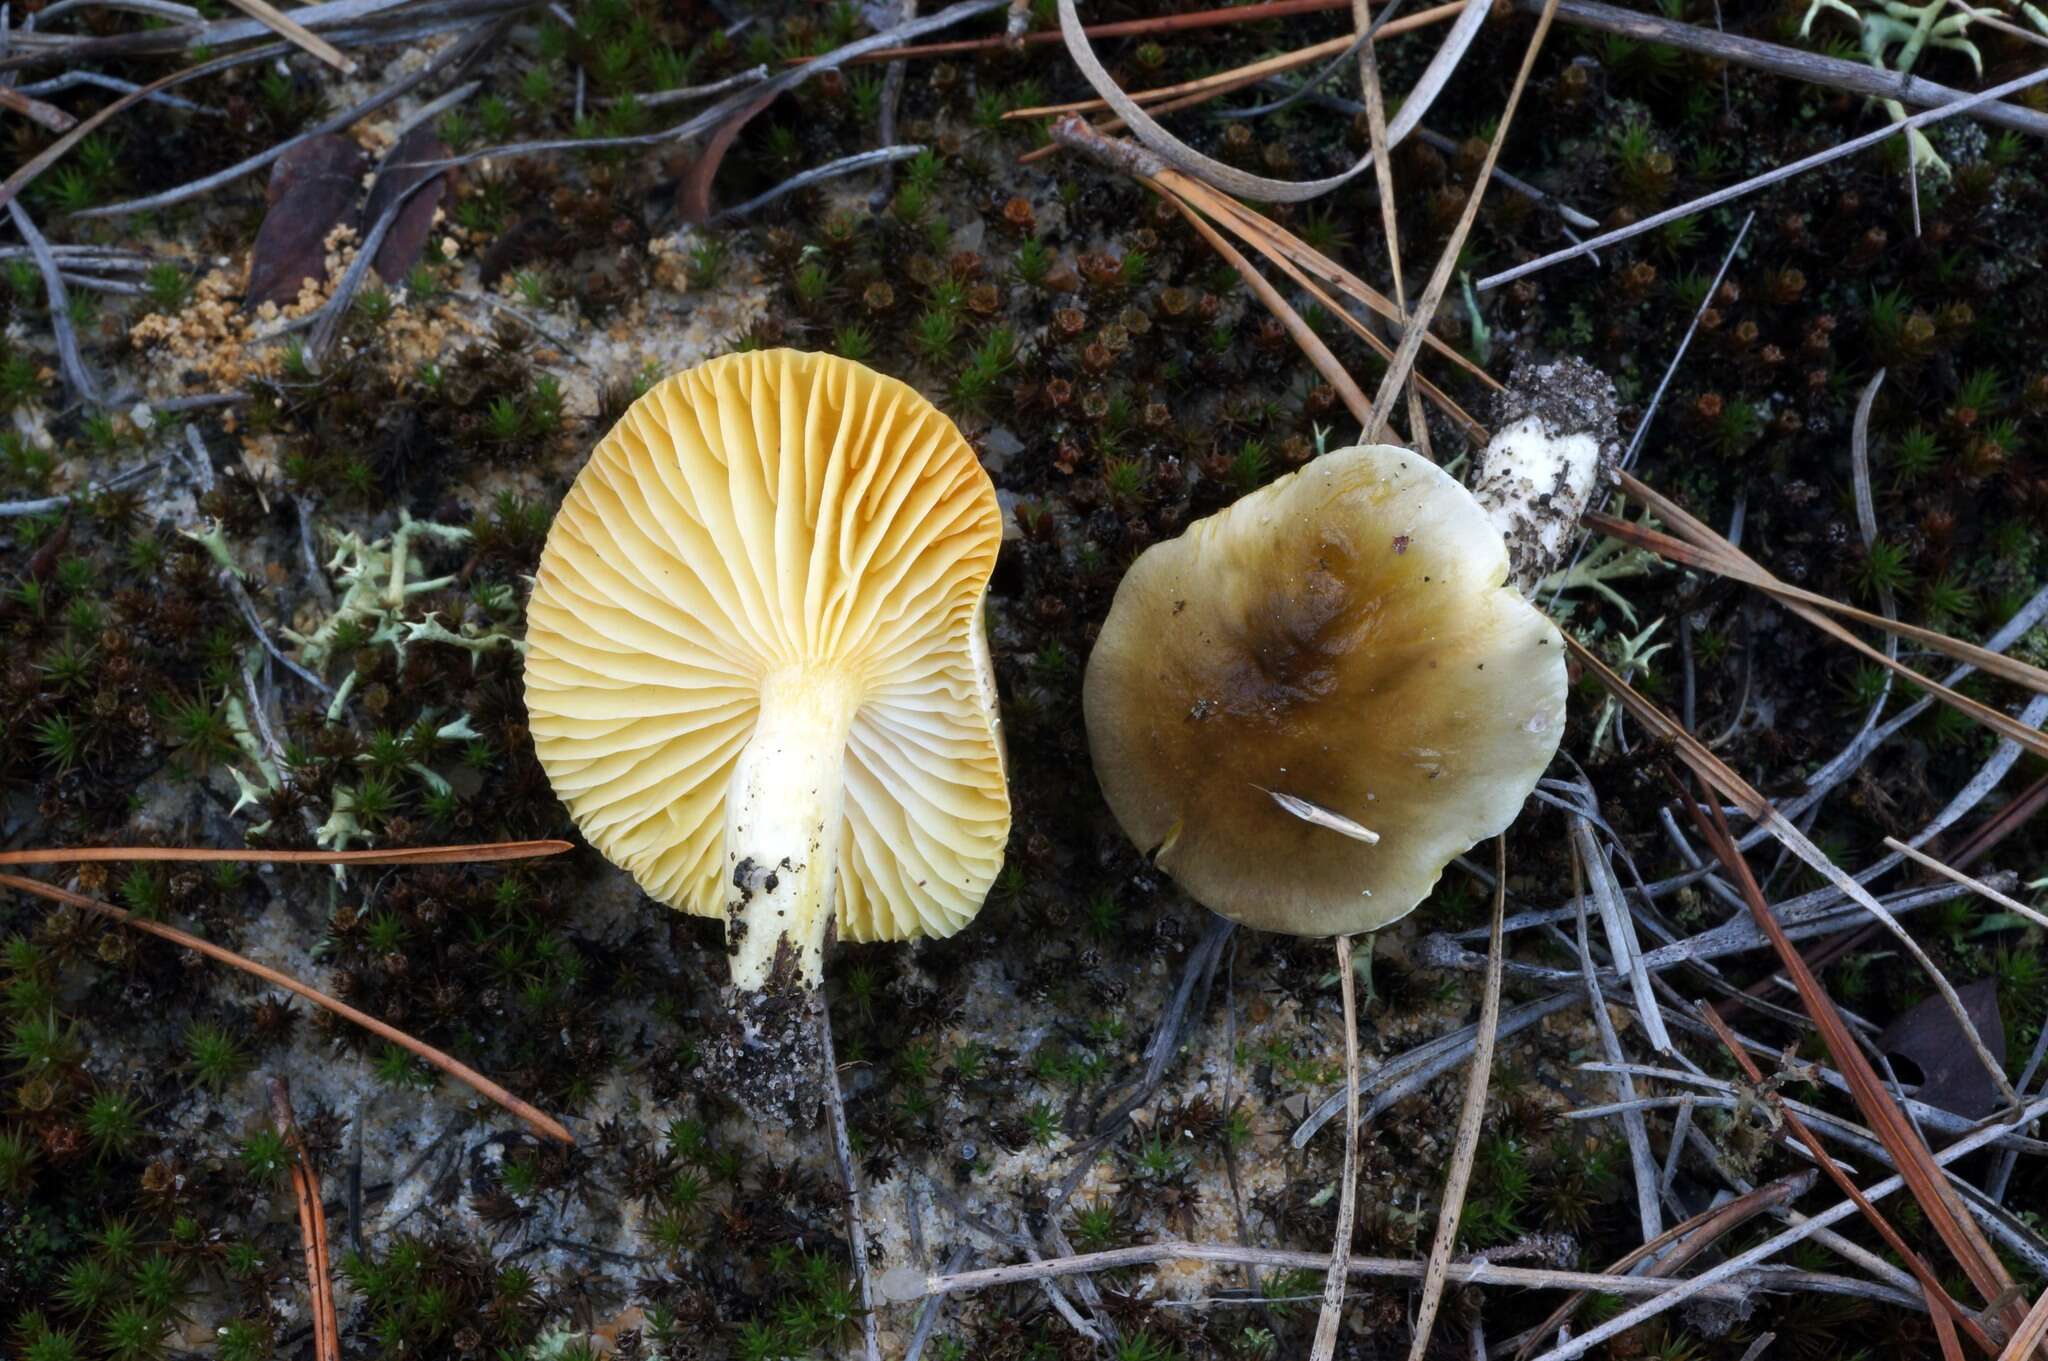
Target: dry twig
[296, 33]
[1768, 178]
[1332, 1314]
[1795, 63]
[1469, 1121]
[849, 1177]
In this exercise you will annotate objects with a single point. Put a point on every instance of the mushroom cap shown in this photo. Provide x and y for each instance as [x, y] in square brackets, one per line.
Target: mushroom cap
[1341, 636]
[794, 517]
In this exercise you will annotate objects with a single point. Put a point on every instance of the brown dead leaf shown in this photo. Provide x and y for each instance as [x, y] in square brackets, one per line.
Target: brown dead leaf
[693, 195]
[407, 236]
[1950, 1075]
[312, 191]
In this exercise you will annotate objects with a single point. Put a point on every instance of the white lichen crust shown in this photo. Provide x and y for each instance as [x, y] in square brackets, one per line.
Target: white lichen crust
[1556, 444]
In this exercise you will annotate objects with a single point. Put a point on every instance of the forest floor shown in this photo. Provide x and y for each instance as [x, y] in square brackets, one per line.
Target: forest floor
[263, 563]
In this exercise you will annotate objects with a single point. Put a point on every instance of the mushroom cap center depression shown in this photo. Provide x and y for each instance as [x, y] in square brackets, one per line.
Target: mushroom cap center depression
[1341, 636]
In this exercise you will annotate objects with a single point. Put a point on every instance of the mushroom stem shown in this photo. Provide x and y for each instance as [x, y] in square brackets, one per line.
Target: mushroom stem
[1555, 448]
[784, 813]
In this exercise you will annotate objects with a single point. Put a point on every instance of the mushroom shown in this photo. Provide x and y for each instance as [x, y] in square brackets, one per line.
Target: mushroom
[756, 669]
[1556, 443]
[1310, 702]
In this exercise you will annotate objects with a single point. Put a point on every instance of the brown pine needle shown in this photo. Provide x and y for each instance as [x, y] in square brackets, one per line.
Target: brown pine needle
[1916, 1164]
[312, 1228]
[1730, 562]
[1700, 1232]
[1945, 1312]
[480, 853]
[1470, 1119]
[1702, 535]
[1189, 93]
[1144, 167]
[1298, 330]
[1276, 243]
[1265, 66]
[540, 1121]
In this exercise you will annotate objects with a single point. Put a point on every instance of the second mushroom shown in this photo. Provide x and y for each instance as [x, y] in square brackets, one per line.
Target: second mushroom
[1310, 702]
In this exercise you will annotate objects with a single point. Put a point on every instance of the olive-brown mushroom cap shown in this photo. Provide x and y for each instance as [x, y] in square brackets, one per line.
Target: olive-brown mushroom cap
[1341, 636]
[788, 522]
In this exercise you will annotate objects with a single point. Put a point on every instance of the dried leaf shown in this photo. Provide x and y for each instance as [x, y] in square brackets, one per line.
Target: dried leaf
[407, 236]
[693, 195]
[1951, 1077]
[312, 191]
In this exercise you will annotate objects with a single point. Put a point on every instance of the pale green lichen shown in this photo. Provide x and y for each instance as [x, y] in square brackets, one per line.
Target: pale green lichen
[1912, 29]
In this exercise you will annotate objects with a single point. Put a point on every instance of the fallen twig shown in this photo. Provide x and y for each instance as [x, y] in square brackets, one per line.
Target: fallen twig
[60, 306]
[49, 115]
[663, 98]
[928, 1316]
[849, 1178]
[1395, 1079]
[1332, 1313]
[1797, 63]
[1941, 1307]
[232, 584]
[43, 505]
[831, 170]
[904, 1284]
[479, 854]
[1742, 1263]
[1470, 1119]
[453, 54]
[1768, 178]
[1692, 1237]
[1637, 1133]
[296, 33]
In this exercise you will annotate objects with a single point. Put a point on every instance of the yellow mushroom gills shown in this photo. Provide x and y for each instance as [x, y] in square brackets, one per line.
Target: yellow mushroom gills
[1310, 702]
[756, 666]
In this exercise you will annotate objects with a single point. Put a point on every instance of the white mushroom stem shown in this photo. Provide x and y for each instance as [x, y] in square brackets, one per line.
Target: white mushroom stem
[784, 812]
[1554, 447]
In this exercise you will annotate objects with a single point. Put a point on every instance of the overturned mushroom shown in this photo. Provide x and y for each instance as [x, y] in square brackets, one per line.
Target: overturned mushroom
[1310, 702]
[757, 672]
